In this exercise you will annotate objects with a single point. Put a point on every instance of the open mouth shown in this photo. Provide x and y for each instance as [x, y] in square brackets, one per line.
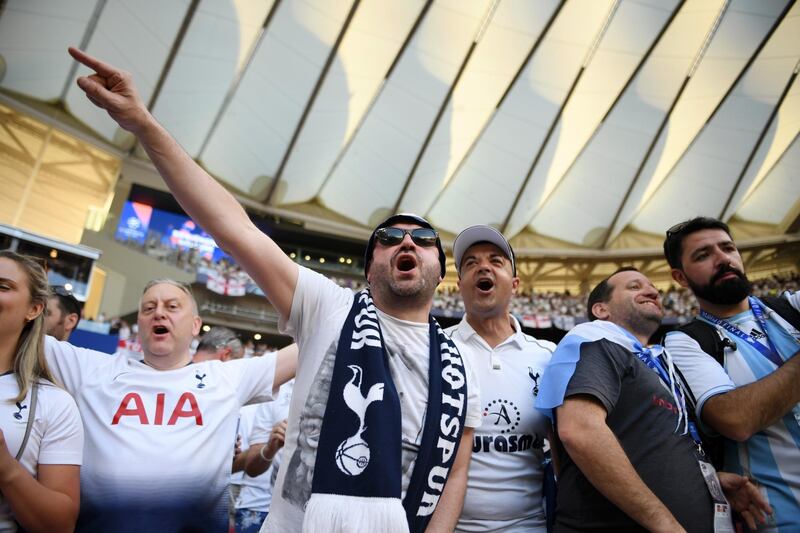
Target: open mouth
[485, 284]
[160, 330]
[406, 263]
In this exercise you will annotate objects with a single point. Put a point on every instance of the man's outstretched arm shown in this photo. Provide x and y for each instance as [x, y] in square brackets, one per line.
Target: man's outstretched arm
[584, 434]
[206, 201]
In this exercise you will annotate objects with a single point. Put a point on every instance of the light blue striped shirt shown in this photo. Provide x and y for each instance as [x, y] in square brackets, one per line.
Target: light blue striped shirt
[771, 456]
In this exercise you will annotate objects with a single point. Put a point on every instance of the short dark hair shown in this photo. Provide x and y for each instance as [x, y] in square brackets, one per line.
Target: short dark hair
[673, 243]
[602, 291]
[67, 303]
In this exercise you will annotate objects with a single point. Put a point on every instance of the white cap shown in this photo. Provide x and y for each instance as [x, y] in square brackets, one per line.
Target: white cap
[481, 233]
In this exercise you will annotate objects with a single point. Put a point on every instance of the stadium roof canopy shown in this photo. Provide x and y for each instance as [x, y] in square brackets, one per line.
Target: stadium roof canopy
[592, 124]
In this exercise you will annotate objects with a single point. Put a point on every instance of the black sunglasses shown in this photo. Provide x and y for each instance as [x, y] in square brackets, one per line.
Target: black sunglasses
[421, 236]
[60, 290]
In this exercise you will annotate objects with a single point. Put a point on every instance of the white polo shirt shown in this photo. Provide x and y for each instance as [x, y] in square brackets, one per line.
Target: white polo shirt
[504, 488]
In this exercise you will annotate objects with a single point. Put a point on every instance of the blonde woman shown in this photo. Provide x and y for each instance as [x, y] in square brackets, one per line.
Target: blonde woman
[41, 436]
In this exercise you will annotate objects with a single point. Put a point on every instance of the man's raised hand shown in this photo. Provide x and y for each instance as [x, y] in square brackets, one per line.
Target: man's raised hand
[112, 89]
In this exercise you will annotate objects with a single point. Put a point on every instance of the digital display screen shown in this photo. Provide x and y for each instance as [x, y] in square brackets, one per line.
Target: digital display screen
[144, 225]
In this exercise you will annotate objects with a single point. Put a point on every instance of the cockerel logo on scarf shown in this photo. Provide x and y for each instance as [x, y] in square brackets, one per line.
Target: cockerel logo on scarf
[352, 455]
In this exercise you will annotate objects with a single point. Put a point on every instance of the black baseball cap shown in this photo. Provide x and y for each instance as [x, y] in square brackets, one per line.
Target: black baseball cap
[404, 218]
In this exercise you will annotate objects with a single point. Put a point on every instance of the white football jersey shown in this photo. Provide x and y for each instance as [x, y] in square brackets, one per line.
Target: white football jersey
[56, 436]
[159, 444]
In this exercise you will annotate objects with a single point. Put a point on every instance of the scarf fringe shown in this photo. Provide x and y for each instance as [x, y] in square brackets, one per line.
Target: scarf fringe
[335, 513]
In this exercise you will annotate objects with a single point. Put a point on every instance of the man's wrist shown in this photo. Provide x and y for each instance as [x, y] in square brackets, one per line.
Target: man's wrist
[264, 457]
[9, 473]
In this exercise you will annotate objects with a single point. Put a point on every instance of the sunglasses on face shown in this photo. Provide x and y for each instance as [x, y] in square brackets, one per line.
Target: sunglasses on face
[421, 236]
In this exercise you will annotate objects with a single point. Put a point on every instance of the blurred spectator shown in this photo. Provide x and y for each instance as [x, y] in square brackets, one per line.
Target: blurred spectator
[63, 313]
[218, 343]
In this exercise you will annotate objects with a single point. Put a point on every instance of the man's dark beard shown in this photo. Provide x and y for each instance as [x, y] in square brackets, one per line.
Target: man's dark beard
[729, 292]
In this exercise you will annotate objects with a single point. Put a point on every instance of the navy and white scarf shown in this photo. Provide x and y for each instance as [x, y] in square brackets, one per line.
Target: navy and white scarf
[357, 480]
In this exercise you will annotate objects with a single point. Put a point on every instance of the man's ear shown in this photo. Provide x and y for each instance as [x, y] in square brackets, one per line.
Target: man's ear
[70, 321]
[226, 354]
[680, 277]
[514, 285]
[196, 323]
[600, 310]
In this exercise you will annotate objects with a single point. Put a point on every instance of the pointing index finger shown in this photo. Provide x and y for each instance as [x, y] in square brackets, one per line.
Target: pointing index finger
[103, 69]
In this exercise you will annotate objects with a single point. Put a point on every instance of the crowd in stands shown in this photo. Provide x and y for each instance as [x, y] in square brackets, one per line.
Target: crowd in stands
[540, 309]
[537, 309]
[679, 303]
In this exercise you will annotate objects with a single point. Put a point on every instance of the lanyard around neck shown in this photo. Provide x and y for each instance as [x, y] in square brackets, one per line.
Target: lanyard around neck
[770, 351]
[657, 365]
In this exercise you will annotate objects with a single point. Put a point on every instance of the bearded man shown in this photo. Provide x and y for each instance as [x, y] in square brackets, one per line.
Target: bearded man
[739, 361]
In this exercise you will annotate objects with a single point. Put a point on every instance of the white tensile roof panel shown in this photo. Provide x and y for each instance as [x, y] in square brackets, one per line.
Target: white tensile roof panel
[498, 56]
[376, 165]
[572, 120]
[781, 134]
[494, 170]
[369, 47]
[741, 30]
[703, 179]
[619, 50]
[252, 137]
[210, 57]
[631, 34]
[606, 168]
[133, 36]
[778, 192]
[34, 36]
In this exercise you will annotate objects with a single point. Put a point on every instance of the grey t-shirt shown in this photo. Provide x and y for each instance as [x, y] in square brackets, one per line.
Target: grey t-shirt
[642, 415]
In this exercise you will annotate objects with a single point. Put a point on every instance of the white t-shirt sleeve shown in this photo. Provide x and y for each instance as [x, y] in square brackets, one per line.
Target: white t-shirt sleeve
[262, 424]
[703, 374]
[316, 298]
[62, 439]
[253, 378]
[69, 363]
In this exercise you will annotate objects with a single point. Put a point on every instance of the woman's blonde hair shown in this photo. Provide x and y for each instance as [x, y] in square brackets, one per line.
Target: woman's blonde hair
[29, 361]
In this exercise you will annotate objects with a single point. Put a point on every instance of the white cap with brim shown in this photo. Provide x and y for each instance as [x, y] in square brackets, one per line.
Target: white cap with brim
[481, 233]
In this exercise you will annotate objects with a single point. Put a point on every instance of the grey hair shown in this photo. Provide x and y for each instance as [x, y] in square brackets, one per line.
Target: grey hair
[168, 281]
[220, 337]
